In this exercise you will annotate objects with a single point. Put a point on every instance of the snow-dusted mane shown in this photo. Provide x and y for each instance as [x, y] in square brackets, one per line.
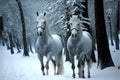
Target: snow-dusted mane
[74, 18]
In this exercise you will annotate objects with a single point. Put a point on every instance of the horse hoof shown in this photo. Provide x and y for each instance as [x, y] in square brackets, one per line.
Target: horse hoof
[44, 74]
[80, 76]
[83, 77]
[73, 76]
[57, 73]
[89, 76]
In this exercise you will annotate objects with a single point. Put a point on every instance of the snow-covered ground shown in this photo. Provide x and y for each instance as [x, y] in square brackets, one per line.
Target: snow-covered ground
[17, 67]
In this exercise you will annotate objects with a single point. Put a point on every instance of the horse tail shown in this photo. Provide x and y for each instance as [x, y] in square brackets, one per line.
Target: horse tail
[60, 59]
[61, 68]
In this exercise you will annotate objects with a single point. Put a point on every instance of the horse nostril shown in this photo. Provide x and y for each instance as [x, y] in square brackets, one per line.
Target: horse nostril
[39, 33]
[74, 35]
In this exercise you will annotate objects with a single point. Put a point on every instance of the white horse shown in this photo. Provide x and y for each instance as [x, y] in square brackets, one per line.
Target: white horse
[80, 44]
[49, 45]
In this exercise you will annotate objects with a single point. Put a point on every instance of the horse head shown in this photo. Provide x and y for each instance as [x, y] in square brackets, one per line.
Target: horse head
[41, 23]
[75, 28]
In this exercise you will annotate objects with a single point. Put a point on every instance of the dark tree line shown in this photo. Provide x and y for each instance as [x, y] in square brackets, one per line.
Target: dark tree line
[9, 36]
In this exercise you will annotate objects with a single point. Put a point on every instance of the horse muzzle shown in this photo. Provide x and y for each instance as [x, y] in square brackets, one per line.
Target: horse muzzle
[39, 33]
[74, 36]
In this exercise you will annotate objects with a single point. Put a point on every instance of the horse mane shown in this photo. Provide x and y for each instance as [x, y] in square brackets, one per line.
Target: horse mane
[75, 18]
[41, 16]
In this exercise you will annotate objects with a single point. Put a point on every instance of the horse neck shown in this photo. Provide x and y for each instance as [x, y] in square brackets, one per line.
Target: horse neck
[80, 33]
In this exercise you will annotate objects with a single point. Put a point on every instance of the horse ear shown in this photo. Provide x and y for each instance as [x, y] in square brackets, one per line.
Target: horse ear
[44, 13]
[37, 13]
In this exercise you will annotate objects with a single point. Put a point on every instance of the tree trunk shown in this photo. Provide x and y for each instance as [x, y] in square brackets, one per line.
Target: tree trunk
[1, 28]
[111, 32]
[67, 32]
[11, 42]
[23, 29]
[119, 15]
[85, 14]
[104, 57]
[17, 45]
[116, 33]
[29, 45]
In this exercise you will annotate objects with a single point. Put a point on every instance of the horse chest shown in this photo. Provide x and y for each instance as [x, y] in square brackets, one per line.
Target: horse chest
[75, 47]
[45, 48]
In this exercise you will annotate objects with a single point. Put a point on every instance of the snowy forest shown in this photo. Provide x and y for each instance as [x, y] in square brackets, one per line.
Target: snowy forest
[18, 34]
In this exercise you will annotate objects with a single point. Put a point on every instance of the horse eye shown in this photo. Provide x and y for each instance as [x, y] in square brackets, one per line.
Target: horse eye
[44, 22]
[37, 22]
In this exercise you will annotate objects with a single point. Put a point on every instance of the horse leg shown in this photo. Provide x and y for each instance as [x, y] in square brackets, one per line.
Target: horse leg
[82, 69]
[73, 65]
[79, 71]
[59, 63]
[57, 58]
[58, 66]
[54, 63]
[73, 68]
[47, 66]
[42, 68]
[42, 65]
[89, 63]
[81, 63]
[49, 57]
